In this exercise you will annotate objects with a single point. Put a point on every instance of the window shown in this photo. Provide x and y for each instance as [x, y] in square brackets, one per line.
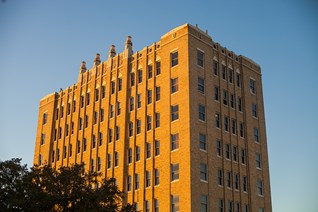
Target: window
[158, 68]
[92, 165]
[174, 85]
[103, 92]
[93, 141]
[252, 86]
[204, 203]
[148, 150]
[68, 108]
[44, 121]
[149, 67]
[233, 126]
[40, 159]
[157, 119]
[175, 203]
[174, 171]
[242, 129]
[234, 153]
[221, 205]
[202, 112]
[82, 101]
[136, 181]
[100, 138]
[78, 146]
[53, 156]
[86, 121]
[132, 79]
[72, 127]
[95, 116]
[254, 110]
[236, 181]
[201, 85]
[147, 206]
[74, 106]
[137, 153]
[174, 58]
[129, 155]
[215, 68]
[99, 164]
[70, 151]
[101, 115]
[111, 111]
[138, 126]
[261, 210]
[116, 159]
[230, 206]
[243, 156]
[218, 148]
[220, 177]
[174, 141]
[147, 179]
[64, 152]
[258, 160]
[56, 114]
[157, 93]
[118, 108]
[131, 103]
[54, 134]
[88, 98]
[62, 111]
[217, 120]
[138, 100]
[245, 208]
[157, 175]
[200, 58]
[58, 154]
[139, 72]
[84, 144]
[202, 140]
[239, 102]
[228, 179]
[238, 80]
[112, 87]
[224, 95]
[156, 205]
[244, 183]
[223, 72]
[157, 147]
[117, 135]
[174, 112]
[232, 101]
[130, 129]
[60, 132]
[120, 84]
[216, 93]
[110, 135]
[230, 75]
[260, 187]
[109, 161]
[42, 138]
[129, 183]
[227, 151]
[226, 123]
[256, 135]
[203, 172]
[96, 94]
[149, 96]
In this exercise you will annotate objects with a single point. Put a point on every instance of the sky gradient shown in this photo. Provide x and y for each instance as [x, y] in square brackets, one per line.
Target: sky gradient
[42, 44]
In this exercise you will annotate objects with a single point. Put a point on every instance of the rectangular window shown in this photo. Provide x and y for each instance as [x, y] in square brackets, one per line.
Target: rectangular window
[157, 93]
[242, 129]
[117, 133]
[200, 58]
[202, 140]
[95, 117]
[149, 123]
[82, 101]
[72, 127]
[230, 206]
[84, 144]
[100, 139]
[174, 58]
[220, 177]
[101, 115]
[58, 154]
[93, 141]
[174, 85]
[68, 109]
[116, 159]
[118, 108]
[147, 206]
[232, 101]
[175, 203]
[236, 181]
[254, 110]
[78, 146]
[147, 179]
[158, 68]
[244, 183]
[230, 75]
[136, 181]
[216, 93]
[201, 87]
[86, 121]
[149, 96]
[129, 155]
[96, 94]
[156, 205]
[60, 132]
[149, 67]
[174, 171]
[224, 96]
[234, 128]
[157, 177]
[202, 112]
[226, 123]
[110, 135]
[131, 103]
[137, 153]
[218, 148]
[109, 161]
[138, 100]
[42, 138]
[148, 150]
[111, 111]
[174, 138]
[221, 205]
[112, 87]
[227, 151]
[44, 120]
[261, 210]
[62, 111]
[203, 172]
[258, 160]
[139, 72]
[120, 84]
[70, 150]
[215, 68]
[88, 98]
[239, 102]
[234, 151]
[138, 126]
[217, 120]
[103, 92]
[64, 152]
[174, 112]
[157, 119]
[130, 129]
[74, 106]
[157, 147]
[256, 135]
[223, 72]
[238, 80]
[129, 183]
[260, 187]
[252, 86]
[92, 165]
[243, 156]
[245, 208]
[228, 180]
[56, 114]
[204, 203]
[132, 79]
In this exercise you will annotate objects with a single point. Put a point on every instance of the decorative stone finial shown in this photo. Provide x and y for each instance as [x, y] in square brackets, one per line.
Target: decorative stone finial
[112, 51]
[97, 59]
[128, 42]
[83, 67]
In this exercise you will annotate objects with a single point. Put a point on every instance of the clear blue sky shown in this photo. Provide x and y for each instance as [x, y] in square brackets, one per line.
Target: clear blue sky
[42, 44]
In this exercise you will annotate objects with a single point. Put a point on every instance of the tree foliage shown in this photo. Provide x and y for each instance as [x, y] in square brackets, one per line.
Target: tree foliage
[67, 189]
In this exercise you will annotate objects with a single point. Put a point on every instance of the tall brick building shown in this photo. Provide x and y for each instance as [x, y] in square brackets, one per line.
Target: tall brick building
[179, 124]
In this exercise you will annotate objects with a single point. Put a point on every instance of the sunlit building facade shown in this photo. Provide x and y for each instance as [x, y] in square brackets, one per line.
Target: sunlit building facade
[179, 124]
